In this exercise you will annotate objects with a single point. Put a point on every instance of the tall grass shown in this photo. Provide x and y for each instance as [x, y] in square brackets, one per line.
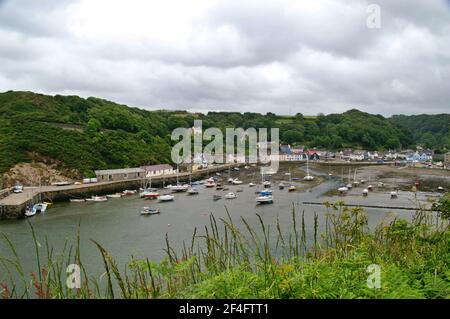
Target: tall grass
[225, 261]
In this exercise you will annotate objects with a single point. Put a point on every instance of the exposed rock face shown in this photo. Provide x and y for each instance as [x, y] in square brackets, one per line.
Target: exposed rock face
[34, 173]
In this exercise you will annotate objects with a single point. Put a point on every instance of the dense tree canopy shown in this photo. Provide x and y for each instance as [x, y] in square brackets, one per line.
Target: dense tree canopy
[88, 134]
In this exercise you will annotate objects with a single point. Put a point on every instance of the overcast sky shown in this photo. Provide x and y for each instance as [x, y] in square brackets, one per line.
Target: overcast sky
[264, 56]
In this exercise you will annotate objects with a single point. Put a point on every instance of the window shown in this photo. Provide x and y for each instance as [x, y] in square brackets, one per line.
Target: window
[125, 176]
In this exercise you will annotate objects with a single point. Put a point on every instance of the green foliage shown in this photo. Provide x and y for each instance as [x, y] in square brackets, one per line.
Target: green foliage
[88, 134]
[228, 262]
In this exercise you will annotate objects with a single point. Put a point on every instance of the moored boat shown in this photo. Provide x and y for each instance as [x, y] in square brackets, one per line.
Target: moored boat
[128, 192]
[264, 199]
[192, 191]
[149, 211]
[230, 195]
[292, 188]
[117, 195]
[166, 198]
[97, 199]
[77, 200]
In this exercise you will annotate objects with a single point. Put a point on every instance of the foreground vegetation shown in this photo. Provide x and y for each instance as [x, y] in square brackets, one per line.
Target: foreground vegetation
[82, 135]
[261, 262]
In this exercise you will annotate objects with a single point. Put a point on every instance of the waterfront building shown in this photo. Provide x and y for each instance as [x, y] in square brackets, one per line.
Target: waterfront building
[120, 174]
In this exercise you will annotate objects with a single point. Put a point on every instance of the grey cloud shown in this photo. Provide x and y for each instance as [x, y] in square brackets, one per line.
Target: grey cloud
[248, 56]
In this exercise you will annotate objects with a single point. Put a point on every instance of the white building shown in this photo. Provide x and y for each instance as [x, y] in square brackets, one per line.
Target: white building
[158, 170]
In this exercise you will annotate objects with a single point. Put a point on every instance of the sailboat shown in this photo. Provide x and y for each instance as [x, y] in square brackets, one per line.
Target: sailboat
[308, 177]
[291, 187]
[179, 187]
[355, 182]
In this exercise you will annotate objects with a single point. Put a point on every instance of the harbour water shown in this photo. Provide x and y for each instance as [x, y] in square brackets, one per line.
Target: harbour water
[118, 226]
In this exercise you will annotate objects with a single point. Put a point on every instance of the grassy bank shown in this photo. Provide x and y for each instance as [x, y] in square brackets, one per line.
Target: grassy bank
[259, 261]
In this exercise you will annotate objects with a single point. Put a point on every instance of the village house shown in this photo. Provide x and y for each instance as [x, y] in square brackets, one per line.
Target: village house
[447, 160]
[121, 174]
[357, 155]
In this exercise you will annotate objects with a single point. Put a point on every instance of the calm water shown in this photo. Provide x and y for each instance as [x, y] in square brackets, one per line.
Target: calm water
[119, 227]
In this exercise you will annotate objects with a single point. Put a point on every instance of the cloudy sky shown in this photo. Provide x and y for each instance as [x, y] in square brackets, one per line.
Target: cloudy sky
[263, 56]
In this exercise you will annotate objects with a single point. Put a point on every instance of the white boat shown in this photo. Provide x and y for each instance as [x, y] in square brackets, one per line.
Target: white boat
[77, 200]
[292, 188]
[267, 184]
[166, 198]
[308, 177]
[117, 195]
[342, 190]
[281, 185]
[192, 191]
[210, 183]
[287, 174]
[440, 189]
[40, 208]
[179, 188]
[380, 184]
[370, 187]
[365, 192]
[149, 211]
[263, 199]
[349, 186]
[168, 186]
[394, 194]
[230, 195]
[252, 184]
[29, 212]
[97, 199]
[128, 192]
[237, 182]
[230, 180]
[65, 183]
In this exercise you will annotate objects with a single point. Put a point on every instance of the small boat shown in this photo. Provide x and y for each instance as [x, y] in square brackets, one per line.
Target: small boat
[97, 199]
[355, 183]
[179, 188]
[195, 183]
[251, 184]
[237, 182]
[117, 195]
[40, 208]
[128, 192]
[281, 185]
[370, 187]
[365, 192]
[292, 188]
[362, 181]
[267, 184]
[210, 184]
[380, 184]
[166, 198]
[342, 190]
[192, 191]
[295, 178]
[394, 194]
[264, 199]
[236, 169]
[440, 189]
[308, 178]
[230, 180]
[216, 197]
[219, 186]
[349, 186]
[77, 200]
[149, 211]
[218, 174]
[29, 212]
[151, 195]
[225, 189]
[168, 186]
[230, 195]
[287, 174]
[266, 192]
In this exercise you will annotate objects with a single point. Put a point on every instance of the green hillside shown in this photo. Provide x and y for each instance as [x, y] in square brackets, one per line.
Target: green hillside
[87, 134]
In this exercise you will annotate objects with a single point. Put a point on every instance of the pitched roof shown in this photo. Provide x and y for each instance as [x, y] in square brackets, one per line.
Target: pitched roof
[119, 171]
[158, 167]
